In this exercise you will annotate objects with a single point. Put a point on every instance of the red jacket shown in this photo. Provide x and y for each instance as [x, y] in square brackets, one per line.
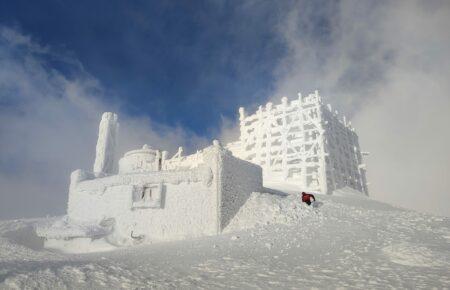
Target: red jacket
[306, 197]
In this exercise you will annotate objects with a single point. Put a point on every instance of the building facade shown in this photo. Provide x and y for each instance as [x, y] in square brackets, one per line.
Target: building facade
[302, 142]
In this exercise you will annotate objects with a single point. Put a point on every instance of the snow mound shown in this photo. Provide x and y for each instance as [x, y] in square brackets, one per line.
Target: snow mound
[63, 228]
[263, 209]
[348, 191]
[68, 236]
[25, 236]
[409, 254]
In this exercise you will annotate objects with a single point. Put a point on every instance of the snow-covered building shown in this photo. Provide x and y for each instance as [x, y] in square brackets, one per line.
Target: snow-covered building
[146, 196]
[302, 142]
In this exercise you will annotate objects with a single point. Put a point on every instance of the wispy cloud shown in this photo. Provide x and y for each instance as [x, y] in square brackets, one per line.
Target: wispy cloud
[49, 113]
[386, 64]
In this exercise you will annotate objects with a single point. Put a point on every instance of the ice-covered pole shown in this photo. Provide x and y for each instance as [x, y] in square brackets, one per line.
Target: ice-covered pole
[105, 156]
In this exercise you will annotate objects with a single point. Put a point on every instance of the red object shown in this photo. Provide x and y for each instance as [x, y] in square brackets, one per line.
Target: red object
[306, 198]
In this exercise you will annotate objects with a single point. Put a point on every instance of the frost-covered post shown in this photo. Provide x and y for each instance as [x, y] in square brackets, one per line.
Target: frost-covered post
[301, 121]
[106, 150]
[321, 154]
[164, 156]
[268, 131]
[241, 123]
[260, 132]
[284, 131]
[241, 114]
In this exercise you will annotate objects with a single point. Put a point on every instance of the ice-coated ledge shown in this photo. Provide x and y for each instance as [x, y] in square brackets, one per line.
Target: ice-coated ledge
[200, 174]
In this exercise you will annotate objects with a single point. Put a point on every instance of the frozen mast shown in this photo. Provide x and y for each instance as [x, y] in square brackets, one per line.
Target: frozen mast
[105, 156]
[302, 142]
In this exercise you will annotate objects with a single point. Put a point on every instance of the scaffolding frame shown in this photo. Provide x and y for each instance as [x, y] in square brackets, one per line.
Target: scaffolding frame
[302, 142]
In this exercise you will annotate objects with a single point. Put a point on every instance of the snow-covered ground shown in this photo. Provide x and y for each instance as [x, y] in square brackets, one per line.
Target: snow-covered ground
[273, 242]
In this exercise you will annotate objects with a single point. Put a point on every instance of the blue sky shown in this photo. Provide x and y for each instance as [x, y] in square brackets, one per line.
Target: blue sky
[180, 62]
[176, 72]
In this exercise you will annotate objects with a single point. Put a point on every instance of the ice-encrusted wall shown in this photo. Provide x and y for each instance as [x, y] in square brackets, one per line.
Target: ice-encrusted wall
[302, 142]
[188, 211]
[185, 205]
[239, 178]
[94, 199]
[344, 162]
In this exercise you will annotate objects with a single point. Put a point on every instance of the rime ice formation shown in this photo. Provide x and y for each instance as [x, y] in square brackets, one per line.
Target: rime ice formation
[147, 197]
[105, 157]
[152, 198]
[302, 142]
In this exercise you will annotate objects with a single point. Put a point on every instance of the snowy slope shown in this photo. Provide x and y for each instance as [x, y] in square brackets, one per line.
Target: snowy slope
[348, 241]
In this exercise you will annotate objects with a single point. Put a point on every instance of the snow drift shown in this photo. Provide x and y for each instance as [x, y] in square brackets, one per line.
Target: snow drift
[263, 209]
[348, 242]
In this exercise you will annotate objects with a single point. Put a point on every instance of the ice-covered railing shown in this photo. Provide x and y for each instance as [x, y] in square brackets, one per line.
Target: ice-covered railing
[288, 107]
[178, 161]
[198, 174]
